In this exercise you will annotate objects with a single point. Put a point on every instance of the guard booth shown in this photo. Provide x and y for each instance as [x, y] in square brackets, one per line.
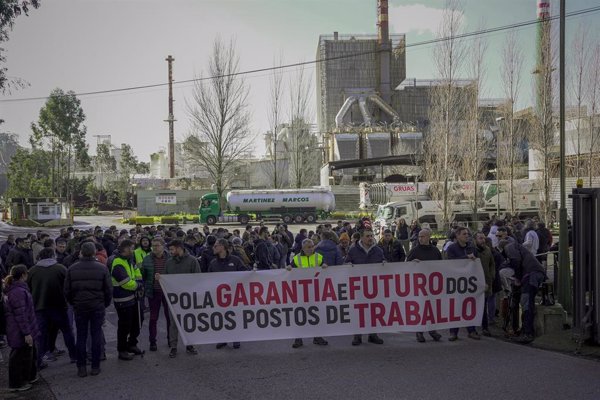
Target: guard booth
[586, 264]
[40, 211]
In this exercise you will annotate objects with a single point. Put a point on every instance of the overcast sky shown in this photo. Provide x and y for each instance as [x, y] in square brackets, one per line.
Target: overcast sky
[92, 45]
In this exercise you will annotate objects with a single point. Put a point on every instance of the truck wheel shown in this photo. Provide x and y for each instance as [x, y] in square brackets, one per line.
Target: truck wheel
[211, 220]
[287, 219]
[298, 219]
[243, 219]
[310, 218]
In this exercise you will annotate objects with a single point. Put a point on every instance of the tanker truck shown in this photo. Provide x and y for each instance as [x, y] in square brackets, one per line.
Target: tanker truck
[289, 205]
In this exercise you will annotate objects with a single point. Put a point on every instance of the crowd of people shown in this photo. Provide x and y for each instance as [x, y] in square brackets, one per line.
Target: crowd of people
[52, 285]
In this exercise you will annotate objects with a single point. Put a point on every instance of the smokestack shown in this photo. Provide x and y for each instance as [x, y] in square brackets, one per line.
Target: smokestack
[543, 68]
[383, 29]
[543, 9]
[383, 34]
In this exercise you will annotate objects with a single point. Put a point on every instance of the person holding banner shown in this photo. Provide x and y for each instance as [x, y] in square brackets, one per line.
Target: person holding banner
[462, 249]
[425, 251]
[181, 262]
[224, 261]
[307, 258]
[365, 251]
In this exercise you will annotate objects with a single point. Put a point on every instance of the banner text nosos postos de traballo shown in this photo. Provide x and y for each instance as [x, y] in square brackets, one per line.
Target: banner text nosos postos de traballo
[339, 300]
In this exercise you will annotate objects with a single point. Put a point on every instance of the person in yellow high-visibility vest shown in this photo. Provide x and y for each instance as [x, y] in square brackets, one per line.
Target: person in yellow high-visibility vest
[307, 258]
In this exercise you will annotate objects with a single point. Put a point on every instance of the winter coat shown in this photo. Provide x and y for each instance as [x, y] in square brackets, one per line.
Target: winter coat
[361, 255]
[205, 258]
[148, 272]
[456, 252]
[402, 232]
[88, 286]
[228, 264]
[17, 256]
[489, 267]
[239, 252]
[185, 264]
[522, 261]
[298, 243]
[424, 253]
[4, 250]
[262, 255]
[332, 255]
[20, 314]
[393, 250]
[274, 253]
[46, 281]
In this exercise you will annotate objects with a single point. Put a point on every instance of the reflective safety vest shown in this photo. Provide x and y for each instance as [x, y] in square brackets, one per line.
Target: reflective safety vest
[124, 277]
[139, 254]
[302, 261]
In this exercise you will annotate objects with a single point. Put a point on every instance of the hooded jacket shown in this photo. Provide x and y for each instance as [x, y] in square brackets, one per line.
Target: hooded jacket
[20, 314]
[361, 255]
[185, 264]
[332, 255]
[46, 281]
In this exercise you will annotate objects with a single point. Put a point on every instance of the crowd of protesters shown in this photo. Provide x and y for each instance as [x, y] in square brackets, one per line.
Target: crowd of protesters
[52, 285]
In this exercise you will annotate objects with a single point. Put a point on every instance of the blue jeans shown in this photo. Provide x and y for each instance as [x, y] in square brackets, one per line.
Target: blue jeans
[92, 320]
[59, 318]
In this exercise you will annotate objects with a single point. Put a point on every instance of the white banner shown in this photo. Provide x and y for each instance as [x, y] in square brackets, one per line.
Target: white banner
[339, 300]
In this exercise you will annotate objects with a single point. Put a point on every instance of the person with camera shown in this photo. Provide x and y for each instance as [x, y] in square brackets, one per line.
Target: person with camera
[425, 250]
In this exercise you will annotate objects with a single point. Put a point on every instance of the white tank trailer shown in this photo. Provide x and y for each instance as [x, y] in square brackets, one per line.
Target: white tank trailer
[289, 205]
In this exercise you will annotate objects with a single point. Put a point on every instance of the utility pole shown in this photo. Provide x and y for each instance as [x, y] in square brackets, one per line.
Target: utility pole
[171, 120]
[564, 270]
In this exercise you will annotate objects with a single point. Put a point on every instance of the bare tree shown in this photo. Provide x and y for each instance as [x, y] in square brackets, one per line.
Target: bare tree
[275, 119]
[512, 66]
[301, 144]
[580, 58]
[220, 118]
[471, 169]
[446, 111]
[593, 97]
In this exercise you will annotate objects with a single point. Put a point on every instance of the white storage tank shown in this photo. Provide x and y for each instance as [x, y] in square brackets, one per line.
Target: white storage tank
[322, 199]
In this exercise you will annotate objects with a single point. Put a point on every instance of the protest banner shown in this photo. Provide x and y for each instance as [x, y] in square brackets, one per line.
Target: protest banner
[339, 300]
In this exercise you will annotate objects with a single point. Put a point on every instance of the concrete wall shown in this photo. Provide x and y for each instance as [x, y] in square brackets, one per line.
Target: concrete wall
[187, 201]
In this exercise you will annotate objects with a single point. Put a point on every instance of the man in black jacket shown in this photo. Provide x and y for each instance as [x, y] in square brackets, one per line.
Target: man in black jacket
[20, 254]
[88, 288]
[262, 255]
[425, 251]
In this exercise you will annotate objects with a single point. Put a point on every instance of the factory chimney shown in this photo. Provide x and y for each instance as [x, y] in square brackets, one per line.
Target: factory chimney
[543, 68]
[384, 47]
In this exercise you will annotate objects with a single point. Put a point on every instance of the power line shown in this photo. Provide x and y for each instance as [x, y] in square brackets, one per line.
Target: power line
[317, 61]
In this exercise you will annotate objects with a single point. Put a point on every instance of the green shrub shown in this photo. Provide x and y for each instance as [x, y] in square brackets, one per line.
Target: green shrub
[169, 219]
[144, 220]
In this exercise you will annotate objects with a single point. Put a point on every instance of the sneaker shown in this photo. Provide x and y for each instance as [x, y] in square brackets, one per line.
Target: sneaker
[420, 337]
[435, 336]
[81, 372]
[49, 357]
[124, 355]
[236, 345]
[173, 353]
[34, 380]
[375, 339]
[297, 343]
[153, 346]
[134, 350]
[95, 371]
[524, 339]
[486, 333]
[474, 335]
[453, 338]
[23, 388]
[58, 352]
[220, 345]
[191, 350]
[319, 341]
[357, 340]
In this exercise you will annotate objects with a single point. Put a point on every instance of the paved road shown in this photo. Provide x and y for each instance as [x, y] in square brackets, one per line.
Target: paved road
[399, 369]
